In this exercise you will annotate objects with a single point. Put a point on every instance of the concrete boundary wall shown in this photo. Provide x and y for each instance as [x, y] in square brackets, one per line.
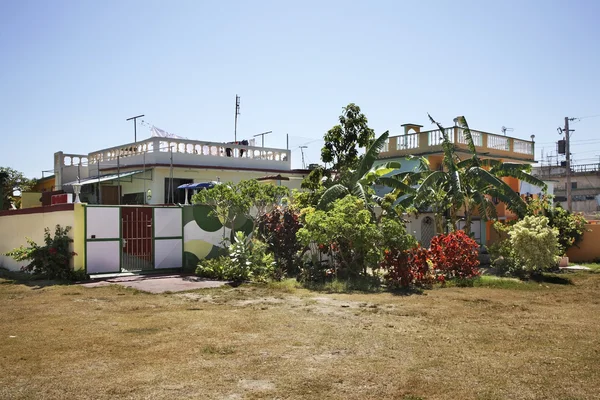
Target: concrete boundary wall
[589, 248]
[17, 225]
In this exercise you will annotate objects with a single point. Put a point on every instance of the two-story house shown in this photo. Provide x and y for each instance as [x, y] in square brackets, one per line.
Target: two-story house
[416, 142]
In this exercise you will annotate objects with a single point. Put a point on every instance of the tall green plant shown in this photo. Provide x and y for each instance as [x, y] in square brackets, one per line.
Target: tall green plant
[471, 184]
[360, 181]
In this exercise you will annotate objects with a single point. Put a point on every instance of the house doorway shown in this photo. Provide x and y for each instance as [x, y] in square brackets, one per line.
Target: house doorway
[110, 194]
[427, 231]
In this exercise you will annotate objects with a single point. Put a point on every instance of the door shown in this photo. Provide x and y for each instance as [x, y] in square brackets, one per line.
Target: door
[136, 234]
[110, 194]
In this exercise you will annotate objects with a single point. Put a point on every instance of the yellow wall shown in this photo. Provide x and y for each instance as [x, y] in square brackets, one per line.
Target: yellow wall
[589, 248]
[79, 236]
[15, 228]
[44, 185]
[31, 199]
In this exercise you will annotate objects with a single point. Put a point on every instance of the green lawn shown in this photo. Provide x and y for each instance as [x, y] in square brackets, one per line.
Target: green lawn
[502, 339]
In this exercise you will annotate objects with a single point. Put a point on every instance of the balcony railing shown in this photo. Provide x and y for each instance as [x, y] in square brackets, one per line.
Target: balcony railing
[430, 141]
[192, 152]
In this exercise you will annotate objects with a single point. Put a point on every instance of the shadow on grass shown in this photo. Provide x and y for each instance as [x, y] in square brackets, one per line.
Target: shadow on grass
[551, 278]
[35, 282]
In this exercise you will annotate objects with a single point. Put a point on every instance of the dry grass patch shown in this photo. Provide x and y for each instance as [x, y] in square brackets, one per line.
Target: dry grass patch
[280, 341]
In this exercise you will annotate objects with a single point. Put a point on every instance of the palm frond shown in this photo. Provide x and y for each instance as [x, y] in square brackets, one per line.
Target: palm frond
[462, 123]
[331, 195]
[395, 183]
[370, 156]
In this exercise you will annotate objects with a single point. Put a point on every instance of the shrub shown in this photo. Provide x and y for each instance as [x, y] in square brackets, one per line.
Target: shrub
[52, 260]
[534, 243]
[215, 268]
[455, 255]
[247, 259]
[394, 235]
[407, 267]
[278, 229]
[571, 228]
[503, 259]
[349, 233]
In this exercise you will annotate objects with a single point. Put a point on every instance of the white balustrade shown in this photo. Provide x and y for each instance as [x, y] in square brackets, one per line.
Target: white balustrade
[522, 146]
[498, 142]
[404, 142]
[191, 147]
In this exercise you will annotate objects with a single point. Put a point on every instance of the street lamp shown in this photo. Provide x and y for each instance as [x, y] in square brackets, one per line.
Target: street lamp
[76, 191]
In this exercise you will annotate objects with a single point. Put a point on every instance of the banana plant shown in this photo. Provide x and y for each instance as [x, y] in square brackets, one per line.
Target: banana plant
[473, 183]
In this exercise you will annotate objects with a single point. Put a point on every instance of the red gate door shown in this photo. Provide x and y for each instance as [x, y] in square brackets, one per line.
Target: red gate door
[136, 233]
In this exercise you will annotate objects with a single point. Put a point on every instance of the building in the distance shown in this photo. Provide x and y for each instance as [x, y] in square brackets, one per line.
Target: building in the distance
[150, 171]
[585, 186]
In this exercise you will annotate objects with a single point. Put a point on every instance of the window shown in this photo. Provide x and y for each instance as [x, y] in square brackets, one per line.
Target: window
[573, 185]
[133, 198]
[174, 195]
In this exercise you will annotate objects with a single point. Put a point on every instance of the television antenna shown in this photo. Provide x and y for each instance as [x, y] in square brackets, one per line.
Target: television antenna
[263, 136]
[302, 151]
[505, 129]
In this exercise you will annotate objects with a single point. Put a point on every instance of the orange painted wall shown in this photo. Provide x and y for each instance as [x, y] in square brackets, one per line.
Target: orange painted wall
[589, 248]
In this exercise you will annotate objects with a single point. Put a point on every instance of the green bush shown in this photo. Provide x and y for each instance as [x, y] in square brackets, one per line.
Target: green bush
[215, 268]
[534, 244]
[347, 232]
[247, 260]
[50, 261]
[571, 227]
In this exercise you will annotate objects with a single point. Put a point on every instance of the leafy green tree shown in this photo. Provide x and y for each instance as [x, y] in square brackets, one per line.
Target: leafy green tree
[361, 180]
[226, 203]
[343, 141]
[348, 230]
[263, 196]
[229, 201]
[12, 181]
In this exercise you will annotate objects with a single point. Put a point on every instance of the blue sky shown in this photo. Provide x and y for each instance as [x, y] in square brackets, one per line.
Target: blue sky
[73, 71]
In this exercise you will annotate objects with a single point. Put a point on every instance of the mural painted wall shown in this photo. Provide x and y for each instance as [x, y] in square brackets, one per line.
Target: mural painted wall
[203, 234]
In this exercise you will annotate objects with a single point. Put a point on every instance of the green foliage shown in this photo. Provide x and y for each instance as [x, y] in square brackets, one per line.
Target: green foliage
[469, 185]
[394, 235]
[226, 203]
[12, 181]
[219, 268]
[229, 201]
[343, 141]
[50, 261]
[347, 231]
[571, 227]
[534, 243]
[247, 260]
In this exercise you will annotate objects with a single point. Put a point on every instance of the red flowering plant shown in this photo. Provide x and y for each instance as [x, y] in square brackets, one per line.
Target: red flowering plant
[278, 229]
[407, 267]
[455, 255]
[52, 260]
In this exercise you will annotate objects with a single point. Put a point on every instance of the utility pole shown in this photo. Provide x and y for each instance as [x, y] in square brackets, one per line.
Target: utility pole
[135, 126]
[237, 112]
[263, 136]
[302, 151]
[567, 133]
